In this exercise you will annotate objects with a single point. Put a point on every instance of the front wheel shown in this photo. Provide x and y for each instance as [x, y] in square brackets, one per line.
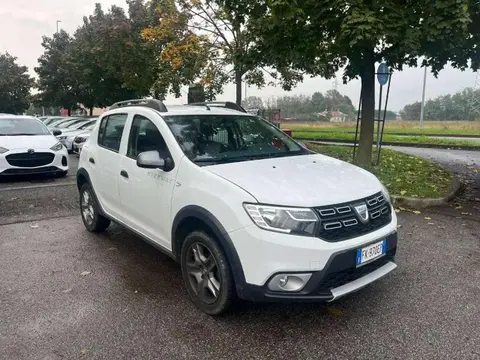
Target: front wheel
[93, 221]
[207, 274]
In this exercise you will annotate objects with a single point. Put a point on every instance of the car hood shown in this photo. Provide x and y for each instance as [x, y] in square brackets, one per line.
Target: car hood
[305, 180]
[28, 142]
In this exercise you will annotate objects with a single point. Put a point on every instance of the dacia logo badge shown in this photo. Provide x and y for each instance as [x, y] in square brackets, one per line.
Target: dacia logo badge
[30, 151]
[362, 212]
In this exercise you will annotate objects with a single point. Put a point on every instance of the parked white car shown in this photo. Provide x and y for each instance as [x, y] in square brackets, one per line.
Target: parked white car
[68, 135]
[80, 140]
[244, 209]
[28, 147]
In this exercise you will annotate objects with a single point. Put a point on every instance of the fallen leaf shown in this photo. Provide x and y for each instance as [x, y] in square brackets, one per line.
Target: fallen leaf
[398, 180]
[458, 207]
[34, 226]
[401, 208]
[112, 248]
[403, 192]
[416, 212]
[431, 223]
[428, 218]
[335, 311]
[85, 273]
[397, 210]
[84, 351]
[399, 226]
[66, 291]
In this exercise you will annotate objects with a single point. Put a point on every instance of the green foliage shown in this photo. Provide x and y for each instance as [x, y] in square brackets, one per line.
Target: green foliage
[308, 108]
[445, 107]
[15, 85]
[402, 174]
[56, 83]
[320, 37]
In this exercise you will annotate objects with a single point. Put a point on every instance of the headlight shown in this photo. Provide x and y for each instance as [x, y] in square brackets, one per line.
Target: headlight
[57, 147]
[297, 221]
[3, 150]
[386, 194]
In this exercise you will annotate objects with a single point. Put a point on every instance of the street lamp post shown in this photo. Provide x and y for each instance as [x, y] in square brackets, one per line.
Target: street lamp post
[58, 22]
[422, 108]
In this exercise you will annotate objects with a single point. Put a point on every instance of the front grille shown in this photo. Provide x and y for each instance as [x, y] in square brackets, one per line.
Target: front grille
[43, 170]
[341, 222]
[30, 160]
[345, 276]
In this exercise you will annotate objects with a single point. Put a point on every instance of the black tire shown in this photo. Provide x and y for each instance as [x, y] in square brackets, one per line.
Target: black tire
[220, 275]
[93, 221]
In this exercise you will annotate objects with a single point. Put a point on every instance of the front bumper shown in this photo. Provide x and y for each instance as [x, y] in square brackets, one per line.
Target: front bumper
[265, 254]
[340, 277]
[58, 164]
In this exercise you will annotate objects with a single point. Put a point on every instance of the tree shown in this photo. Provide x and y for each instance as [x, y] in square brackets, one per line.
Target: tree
[320, 37]
[56, 81]
[220, 41]
[252, 102]
[15, 85]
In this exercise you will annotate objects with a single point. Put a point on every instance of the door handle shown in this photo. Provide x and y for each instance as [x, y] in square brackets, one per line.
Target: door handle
[92, 160]
[124, 174]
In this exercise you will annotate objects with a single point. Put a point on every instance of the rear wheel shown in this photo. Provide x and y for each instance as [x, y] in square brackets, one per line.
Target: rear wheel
[93, 221]
[207, 274]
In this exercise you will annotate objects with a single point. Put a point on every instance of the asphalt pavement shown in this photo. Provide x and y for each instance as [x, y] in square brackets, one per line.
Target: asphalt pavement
[69, 294]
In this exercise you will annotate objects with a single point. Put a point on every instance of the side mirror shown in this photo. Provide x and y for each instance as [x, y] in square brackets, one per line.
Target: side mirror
[153, 160]
[56, 132]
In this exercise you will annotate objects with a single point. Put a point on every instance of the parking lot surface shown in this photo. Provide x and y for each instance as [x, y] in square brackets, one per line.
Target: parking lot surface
[69, 294]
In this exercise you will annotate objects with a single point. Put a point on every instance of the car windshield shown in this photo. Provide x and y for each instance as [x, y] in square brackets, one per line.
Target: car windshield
[208, 139]
[22, 126]
[70, 124]
[87, 126]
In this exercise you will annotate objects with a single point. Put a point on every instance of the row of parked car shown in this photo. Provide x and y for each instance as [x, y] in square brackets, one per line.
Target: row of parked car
[70, 131]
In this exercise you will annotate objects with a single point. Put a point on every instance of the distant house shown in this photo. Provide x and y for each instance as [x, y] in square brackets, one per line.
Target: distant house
[398, 117]
[334, 116]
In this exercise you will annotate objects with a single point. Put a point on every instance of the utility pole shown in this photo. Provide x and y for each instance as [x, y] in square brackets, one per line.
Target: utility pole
[58, 22]
[422, 108]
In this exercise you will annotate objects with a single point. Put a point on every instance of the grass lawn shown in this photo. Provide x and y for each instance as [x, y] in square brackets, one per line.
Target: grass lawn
[402, 174]
[466, 128]
[424, 140]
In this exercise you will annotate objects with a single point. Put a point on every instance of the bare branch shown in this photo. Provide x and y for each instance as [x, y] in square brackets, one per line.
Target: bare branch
[216, 27]
[222, 20]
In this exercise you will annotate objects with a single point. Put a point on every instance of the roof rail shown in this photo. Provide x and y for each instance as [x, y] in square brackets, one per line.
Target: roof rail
[151, 103]
[224, 104]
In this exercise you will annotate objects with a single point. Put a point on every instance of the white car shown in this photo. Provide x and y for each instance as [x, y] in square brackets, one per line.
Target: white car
[68, 135]
[247, 211]
[79, 141]
[28, 147]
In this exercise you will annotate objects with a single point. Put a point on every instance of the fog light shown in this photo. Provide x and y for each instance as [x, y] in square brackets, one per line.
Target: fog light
[64, 161]
[288, 282]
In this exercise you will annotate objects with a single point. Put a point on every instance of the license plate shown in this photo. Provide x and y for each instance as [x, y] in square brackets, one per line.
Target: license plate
[371, 252]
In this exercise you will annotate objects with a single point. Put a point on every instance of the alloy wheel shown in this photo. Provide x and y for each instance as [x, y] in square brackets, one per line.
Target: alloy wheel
[203, 273]
[88, 211]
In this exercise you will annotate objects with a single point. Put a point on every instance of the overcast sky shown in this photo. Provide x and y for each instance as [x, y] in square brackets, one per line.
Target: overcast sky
[24, 22]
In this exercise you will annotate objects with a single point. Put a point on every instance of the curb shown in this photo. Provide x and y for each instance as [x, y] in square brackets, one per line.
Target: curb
[421, 203]
[388, 143]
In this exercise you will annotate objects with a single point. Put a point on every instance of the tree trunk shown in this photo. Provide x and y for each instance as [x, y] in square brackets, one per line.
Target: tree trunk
[238, 84]
[364, 155]
[91, 111]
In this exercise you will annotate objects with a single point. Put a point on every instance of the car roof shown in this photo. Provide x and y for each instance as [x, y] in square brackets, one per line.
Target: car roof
[200, 110]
